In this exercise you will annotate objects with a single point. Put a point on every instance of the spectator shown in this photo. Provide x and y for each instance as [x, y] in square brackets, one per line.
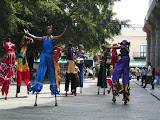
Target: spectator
[157, 76]
[138, 74]
[149, 76]
[143, 75]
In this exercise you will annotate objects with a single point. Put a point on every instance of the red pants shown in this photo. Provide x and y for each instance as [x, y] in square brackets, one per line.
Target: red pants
[7, 71]
[23, 75]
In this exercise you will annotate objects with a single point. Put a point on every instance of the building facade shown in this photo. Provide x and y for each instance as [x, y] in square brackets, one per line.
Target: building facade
[137, 37]
[152, 29]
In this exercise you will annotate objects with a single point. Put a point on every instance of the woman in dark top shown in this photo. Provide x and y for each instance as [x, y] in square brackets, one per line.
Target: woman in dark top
[102, 72]
[122, 68]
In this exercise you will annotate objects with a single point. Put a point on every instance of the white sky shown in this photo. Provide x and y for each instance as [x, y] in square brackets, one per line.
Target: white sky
[134, 10]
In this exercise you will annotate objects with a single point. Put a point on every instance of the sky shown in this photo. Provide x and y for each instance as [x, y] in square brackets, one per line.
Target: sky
[134, 10]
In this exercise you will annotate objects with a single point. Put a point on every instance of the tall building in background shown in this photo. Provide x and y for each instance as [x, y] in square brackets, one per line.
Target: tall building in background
[137, 37]
[152, 29]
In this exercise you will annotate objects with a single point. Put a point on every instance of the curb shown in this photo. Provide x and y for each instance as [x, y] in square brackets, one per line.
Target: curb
[148, 92]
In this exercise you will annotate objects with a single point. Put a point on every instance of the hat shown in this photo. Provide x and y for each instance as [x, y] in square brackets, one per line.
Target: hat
[80, 45]
[9, 39]
[125, 42]
[59, 48]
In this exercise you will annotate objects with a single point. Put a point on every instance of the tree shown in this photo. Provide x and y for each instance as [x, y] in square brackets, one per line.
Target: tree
[90, 21]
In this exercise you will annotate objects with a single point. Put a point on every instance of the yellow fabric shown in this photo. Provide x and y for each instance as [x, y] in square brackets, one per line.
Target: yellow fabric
[76, 69]
[57, 72]
[21, 67]
[71, 66]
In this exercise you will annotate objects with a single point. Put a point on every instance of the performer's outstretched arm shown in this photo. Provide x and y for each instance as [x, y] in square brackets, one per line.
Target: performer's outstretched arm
[59, 36]
[32, 36]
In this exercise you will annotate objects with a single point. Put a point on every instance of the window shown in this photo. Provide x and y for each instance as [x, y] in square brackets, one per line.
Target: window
[143, 49]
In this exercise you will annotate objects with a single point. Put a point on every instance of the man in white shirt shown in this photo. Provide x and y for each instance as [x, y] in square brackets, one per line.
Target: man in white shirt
[149, 76]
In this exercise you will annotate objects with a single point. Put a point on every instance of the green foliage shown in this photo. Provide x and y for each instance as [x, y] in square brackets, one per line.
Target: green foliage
[90, 21]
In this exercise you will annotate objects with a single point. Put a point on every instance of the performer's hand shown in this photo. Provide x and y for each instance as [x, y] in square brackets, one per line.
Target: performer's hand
[116, 56]
[66, 28]
[26, 31]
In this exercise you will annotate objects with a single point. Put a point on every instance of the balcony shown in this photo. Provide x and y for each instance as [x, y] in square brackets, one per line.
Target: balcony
[139, 55]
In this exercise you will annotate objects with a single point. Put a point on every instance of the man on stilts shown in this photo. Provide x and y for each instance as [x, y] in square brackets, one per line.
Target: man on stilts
[122, 67]
[80, 54]
[56, 57]
[23, 68]
[70, 71]
[102, 83]
[46, 62]
[7, 67]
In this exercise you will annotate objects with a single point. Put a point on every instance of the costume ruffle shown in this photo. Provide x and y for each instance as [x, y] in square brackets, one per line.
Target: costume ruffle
[35, 87]
[54, 90]
[21, 55]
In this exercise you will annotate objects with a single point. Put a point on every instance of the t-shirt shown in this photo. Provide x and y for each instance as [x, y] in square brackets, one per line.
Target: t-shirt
[137, 73]
[150, 71]
[143, 72]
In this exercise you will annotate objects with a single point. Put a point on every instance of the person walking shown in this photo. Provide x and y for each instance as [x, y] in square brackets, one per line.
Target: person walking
[143, 75]
[149, 76]
[138, 74]
[157, 76]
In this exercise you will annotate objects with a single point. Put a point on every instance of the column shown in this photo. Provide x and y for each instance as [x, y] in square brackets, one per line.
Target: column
[148, 46]
[152, 48]
[157, 47]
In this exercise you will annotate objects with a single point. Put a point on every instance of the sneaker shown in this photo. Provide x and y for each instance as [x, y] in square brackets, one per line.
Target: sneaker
[113, 99]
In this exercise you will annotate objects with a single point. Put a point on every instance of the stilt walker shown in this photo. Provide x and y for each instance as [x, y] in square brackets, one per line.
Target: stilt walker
[115, 58]
[7, 67]
[46, 62]
[23, 68]
[56, 57]
[80, 54]
[114, 62]
[70, 71]
[122, 67]
[102, 83]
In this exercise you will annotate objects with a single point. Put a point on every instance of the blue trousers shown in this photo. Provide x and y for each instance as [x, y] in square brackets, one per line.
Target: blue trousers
[122, 67]
[46, 62]
[81, 73]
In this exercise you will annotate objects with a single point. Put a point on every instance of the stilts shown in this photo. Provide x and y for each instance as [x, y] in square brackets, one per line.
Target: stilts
[98, 89]
[66, 94]
[35, 104]
[16, 94]
[28, 87]
[5, 97]
[56, 99]
[104, 91]
[81, 90]
[75, 94]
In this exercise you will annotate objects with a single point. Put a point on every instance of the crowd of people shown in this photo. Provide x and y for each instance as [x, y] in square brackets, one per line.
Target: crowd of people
[148, 75]
[74, 69]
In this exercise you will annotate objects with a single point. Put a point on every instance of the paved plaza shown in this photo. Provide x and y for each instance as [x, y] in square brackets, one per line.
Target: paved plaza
[87, 105]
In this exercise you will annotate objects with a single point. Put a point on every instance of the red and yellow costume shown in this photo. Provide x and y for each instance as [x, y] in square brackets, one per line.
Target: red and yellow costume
[7, 67]
[56, 57]
[23, 69]
[115, 58]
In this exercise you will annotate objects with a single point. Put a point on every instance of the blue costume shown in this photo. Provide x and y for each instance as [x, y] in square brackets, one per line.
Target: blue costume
[80, 64]
[46, 62]
[122, 67]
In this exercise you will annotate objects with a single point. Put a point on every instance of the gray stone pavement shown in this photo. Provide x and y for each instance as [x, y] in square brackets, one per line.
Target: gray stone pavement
[87, 105]
[155, 92]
